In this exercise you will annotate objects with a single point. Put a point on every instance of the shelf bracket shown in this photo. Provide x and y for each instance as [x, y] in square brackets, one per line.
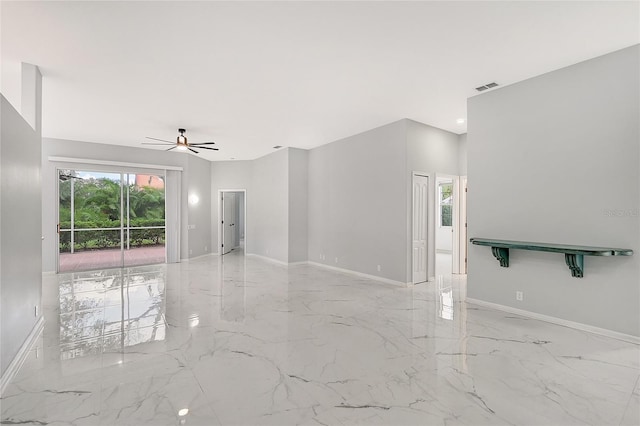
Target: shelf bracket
[575, 262]
[502, 254]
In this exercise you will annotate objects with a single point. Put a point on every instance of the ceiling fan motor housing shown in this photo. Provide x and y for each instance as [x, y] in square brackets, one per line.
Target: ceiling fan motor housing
[182, 139]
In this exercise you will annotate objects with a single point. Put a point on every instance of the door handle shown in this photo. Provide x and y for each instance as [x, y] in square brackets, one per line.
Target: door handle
[58, 228]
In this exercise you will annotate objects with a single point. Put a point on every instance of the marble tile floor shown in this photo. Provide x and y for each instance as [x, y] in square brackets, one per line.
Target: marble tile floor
[240, 341]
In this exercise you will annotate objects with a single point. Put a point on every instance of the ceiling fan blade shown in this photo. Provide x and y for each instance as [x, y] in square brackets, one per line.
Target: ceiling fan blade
[155, 143]
[173, 147]
[206, 147]
[203, 143]
[161, 140]
[192, 150]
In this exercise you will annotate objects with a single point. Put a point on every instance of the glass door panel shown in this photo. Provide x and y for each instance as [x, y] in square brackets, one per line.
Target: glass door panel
[145, 220]
[110, 220]
[90, 215]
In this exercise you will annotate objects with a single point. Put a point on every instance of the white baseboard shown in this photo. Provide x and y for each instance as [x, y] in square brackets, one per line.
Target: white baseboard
[558, 321]
[334, 268]
[21, 356]
[186, 259]
[267, 259]
[360, 274]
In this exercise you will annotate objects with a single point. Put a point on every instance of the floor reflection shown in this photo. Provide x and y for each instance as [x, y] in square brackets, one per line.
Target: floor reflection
[234, 340]
[445, 298]
[111, 309]
[233, 286]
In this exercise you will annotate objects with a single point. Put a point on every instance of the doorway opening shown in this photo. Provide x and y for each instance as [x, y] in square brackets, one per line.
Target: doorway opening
[110, 219]
[444, 225]
[232, 213]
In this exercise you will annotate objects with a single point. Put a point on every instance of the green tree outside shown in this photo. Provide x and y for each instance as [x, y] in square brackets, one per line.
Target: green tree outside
[97, 205]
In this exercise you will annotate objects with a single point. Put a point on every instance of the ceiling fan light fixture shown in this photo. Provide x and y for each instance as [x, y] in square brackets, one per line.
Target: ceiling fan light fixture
[182, 139]
[181, 143]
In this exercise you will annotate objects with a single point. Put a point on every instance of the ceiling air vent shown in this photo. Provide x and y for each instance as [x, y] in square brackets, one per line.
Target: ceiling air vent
[277, 147]
[487, 87]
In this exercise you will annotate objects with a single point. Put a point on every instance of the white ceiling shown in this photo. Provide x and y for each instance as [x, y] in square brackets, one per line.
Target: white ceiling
[251, 75]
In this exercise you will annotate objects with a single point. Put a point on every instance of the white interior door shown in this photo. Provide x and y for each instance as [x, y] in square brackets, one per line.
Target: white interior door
[228, 221]
[419, 247]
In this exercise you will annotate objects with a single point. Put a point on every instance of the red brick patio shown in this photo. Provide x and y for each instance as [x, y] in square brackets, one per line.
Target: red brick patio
[110, 258]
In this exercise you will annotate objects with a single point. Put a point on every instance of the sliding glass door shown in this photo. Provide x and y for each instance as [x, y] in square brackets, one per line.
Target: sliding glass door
[144, 234]
[109, 220]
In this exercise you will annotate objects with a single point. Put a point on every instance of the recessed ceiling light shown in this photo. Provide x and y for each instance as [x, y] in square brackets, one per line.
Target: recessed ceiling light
[183, 412]
[460, 121]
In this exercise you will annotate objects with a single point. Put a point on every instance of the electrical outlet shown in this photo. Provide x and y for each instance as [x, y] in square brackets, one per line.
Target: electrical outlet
[379, 268]
[519, 296]
[190, 251]
[35, 311]
[336, 260]
[206, 248]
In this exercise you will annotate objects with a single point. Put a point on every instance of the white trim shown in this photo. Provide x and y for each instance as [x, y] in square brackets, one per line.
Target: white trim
[462, 234]
[221, 213]
[113, 163]
[21, 356]
[267, 259]
[360, 274]
[558, 321]
[455, 218]
[276, 261]
[186, 259]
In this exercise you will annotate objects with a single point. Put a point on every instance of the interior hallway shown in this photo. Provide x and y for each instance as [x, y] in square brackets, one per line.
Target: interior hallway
[237, 340]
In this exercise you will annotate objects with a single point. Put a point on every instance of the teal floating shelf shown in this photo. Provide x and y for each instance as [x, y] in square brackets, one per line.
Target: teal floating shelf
[573, 255]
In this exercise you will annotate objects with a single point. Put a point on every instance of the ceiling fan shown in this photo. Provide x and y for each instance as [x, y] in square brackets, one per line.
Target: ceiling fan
[181, 143]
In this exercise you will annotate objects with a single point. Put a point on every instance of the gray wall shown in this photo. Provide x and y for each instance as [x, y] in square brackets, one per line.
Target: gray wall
[357, 203]
[228, 175]
[20, 231]
[268, 207]
[275, 201]
[434, 151]
[462, 154]
[240, 216]
[556, 159]
[195, 175]
[198, 176]
[298, 200]
[430, 149]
